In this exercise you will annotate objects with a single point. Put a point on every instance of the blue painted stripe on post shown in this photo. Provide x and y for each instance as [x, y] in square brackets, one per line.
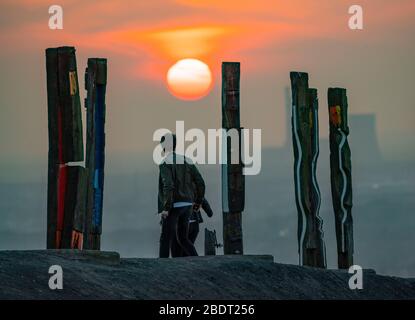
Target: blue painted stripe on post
[99, 123]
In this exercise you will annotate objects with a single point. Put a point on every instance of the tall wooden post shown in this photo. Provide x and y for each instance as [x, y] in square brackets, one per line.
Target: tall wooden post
[307, 194]
[233, 180]
[341, 175]
[65, 198]
[95, 84]
[317, 252]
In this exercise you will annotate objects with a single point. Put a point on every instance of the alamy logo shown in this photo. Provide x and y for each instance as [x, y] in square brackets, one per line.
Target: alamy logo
[356, 280]
[196, 150]
[56, 18]
[356, 20]
[56, 280]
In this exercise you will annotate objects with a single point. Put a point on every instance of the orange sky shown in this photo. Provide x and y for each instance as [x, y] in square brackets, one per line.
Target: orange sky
[143, 39]
[155, 34]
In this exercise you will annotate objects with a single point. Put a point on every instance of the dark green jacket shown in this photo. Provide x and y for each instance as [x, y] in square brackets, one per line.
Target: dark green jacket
[179, 182]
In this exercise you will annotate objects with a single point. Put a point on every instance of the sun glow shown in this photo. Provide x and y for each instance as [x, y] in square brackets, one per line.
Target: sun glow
[189, 79]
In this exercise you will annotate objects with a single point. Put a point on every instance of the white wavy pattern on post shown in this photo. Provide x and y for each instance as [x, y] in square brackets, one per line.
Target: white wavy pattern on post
[313, 170]
[343, 194]
[298, 189]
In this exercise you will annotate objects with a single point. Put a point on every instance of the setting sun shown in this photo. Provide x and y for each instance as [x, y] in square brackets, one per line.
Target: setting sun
[189, 79]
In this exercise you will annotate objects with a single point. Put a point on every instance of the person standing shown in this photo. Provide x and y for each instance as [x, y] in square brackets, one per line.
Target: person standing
[180, 185]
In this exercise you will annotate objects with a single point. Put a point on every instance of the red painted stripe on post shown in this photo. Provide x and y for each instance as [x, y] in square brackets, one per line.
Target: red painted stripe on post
[62, 180]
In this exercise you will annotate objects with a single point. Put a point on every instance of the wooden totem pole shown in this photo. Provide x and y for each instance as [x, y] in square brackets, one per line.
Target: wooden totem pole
[233, 180]
[66, 183]
[317, 257]
[341, 175]
[95, 84]
[306, 150]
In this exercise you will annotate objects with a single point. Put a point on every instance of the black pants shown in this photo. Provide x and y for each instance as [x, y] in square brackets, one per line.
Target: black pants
[193, 231]
[192, 235]
[174, 234]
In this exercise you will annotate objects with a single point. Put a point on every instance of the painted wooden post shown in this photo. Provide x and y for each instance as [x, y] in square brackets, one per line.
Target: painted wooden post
[73, 226]
[307, 195]
[316, 254]
[233, 180]
[95, 84]
[341, 175]
[65, 145]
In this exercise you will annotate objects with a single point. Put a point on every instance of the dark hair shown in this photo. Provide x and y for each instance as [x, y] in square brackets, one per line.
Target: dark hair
[167, 135]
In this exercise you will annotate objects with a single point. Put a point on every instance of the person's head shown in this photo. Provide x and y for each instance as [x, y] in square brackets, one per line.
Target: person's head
[168, 142]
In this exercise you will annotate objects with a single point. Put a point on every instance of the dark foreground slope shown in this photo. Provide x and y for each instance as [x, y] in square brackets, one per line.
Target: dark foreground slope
[94, 275]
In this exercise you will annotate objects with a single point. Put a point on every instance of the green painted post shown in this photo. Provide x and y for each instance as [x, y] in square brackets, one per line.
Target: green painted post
[306, 147]
[65, 145]
[341, 175]
[233, 180]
